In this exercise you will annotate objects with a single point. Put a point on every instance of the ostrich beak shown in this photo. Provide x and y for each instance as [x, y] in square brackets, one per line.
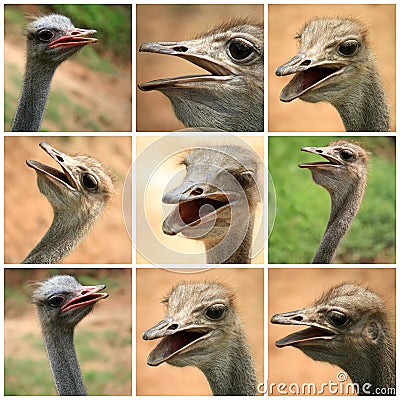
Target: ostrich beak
[305, 336]
[192, 51]
[333, 161]
[76, 38]
[176, 338]
[86, 296]
[310, 72]
[197, 204]
[65, 177]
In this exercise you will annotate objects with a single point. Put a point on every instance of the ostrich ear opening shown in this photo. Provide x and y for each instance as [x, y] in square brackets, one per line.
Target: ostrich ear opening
[372, 332]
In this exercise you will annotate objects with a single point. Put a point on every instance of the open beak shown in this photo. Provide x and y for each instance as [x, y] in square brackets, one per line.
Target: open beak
[315, 331]
[324, 152]
[175, 339]
[196, 204]
[310, 73]
[87, 295]
[192, 51]
[64, 177]
[78, 37]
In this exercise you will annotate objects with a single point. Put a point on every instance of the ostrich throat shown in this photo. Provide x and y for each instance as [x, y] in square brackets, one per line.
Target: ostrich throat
[344, 207]
[64, 234]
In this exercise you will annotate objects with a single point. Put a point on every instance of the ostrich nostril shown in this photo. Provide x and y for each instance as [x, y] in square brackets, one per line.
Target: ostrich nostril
[318, 151]
[305, 63]
[59, 158]
[298, 318]
[181, 49]
[196, 192]
[173, 327]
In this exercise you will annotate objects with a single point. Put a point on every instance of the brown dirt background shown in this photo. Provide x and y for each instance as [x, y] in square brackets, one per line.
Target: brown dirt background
[290, 289]
[151, 243]
[151, 285]
[174, 23]
[28, 214]
[114, 313]
[284, 21]
[107, 97]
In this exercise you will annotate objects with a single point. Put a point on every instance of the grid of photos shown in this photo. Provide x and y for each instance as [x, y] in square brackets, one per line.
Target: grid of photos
[184, 219]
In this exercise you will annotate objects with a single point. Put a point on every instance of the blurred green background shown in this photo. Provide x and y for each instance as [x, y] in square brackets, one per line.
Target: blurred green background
[103, 339]
[91, 97]
[302, 207]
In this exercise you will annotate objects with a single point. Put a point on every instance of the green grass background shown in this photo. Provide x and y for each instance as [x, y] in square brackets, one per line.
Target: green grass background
[302, 207]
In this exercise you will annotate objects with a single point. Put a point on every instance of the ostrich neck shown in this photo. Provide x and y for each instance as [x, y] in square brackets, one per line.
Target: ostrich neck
[344, 207]
[232, 373]
[375, 369]
[63, 362]
[35, 89]
[234, 249]
[64, 234]
[365, 108]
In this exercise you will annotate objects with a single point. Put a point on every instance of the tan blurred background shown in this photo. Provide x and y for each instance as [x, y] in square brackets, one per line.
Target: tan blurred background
[152, 285]
[28, 214]
[166, 22]
[284, 22]
[157, 171]
[290, 289]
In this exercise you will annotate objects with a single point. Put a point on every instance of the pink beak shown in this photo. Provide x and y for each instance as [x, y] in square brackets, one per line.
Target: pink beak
[88, 295]
[76, 38]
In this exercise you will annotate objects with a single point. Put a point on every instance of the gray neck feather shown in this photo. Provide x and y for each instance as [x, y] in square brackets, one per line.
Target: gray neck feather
[374, 369]
[365, 108]
[35, 89]
[235, 249]
[64, 234]
[232, 373]
[63, 362]
[240, 110]
[344, 207]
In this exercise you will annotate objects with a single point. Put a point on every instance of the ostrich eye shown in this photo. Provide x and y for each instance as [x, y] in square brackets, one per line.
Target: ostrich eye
[349, 47]
[45, 35]
[337, 318]
[240, 49]
[245, 179]
[215, 312]
[56, 300]
[89, 181]
[346, 155]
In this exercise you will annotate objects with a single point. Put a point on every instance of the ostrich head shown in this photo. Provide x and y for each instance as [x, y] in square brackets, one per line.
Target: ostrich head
[51, 39]
[199, 317]
[333, 57]
[62, 301]
[82, 187]
[346, 166]
[218, 195]
[231, 96]
[347, 326]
